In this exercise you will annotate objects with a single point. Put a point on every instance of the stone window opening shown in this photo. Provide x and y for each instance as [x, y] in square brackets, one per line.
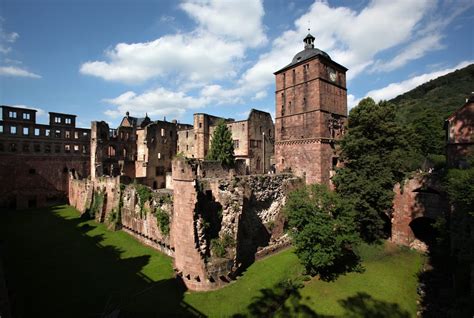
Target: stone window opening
[84, 149]
[200, 125]
[47, 132]
[187, 135]
[26, 147]
[65, 170]
[1, 128]
[171, 133]
[37, 132]
[57, 148]
[236, 144]
[294, 76]
[1, 147]
[68, 121]
[26, 131]
[76, 135]
[162, 132]
[67, 148]
[111, 151]
[195, 137]
[84, 134]
[57, 133]
[289, 106]
[187, 147]
[159, 155]
[26, 116]
[57, 120]
[12, 114]
[67, 134]
[13, 147]
[76, 148]
[47, 148]
[13, 130]
[37, 147]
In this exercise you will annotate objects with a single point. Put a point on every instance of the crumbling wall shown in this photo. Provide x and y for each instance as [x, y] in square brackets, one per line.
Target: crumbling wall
[417, 197]
[143, 225]
[221, 225]
[110, 201]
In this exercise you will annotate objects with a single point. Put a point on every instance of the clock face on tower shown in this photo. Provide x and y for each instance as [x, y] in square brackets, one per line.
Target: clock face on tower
[332, 74]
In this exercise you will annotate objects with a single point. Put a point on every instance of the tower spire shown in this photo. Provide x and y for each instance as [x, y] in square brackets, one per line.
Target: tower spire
[309, 41]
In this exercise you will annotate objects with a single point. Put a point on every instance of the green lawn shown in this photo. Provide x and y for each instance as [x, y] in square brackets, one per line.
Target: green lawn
[62, 266]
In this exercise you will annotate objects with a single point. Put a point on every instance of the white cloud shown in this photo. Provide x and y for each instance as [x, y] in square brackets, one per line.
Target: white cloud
[184, 55]
[156, 102]
[39, 111]
[210, 52]
[395, 89]
[235, 19]
[16, 72]
[352, 101]
[351, 38]
[6, 38]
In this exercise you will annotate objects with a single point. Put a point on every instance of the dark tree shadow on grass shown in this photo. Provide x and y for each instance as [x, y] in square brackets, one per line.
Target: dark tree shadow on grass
[363, 305]
[282, 300]
[54, 268]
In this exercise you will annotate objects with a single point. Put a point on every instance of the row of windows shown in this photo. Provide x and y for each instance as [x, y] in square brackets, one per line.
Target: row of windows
[46, 132]
[59, 120]
[14, 115]
[47, 148]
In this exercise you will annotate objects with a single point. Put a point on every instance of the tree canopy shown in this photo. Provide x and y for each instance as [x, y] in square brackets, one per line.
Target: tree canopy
[222, 145]
[376, 153]
[322, 226]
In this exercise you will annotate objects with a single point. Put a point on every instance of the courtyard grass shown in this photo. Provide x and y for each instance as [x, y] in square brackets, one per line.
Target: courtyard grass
[59, 265]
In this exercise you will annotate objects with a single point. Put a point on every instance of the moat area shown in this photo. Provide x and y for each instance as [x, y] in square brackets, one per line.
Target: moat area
[59, 265]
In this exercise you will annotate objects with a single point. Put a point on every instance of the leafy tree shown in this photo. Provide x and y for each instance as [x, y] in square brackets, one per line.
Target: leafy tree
[377, 153]
[222, 145]
[322, 226]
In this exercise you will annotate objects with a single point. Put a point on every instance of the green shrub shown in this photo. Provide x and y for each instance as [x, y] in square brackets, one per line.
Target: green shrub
[144, 195]
[163, 220]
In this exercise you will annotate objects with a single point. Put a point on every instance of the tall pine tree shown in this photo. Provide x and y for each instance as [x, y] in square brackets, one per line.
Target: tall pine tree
[222, 145]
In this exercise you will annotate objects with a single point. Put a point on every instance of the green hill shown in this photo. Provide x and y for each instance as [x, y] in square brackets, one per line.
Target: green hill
[425, 108]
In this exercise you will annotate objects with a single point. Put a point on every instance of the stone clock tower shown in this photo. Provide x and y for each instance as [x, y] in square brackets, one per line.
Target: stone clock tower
[311, 110]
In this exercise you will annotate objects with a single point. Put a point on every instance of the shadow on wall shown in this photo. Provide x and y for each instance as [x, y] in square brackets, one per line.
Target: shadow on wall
[55, 268]
[252, 233]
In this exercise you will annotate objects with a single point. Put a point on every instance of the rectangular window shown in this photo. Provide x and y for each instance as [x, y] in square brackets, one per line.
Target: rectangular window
[186, 135]
[47, 148]
[84, 149]
[57, 120]
[47, 132]
[67, 134]
[236, 144]
[159, 155]
[12, 114]
[57, 148]
[159, 171]
[67, 148]
[26, 116]
[26, 131]
[68, 120]
[84, 134]
[57, 133]
[200, 125]
[13, 147]
[76, 135]
[76, 148]
[1, 129]
[37, 131]
[13, 130]
[162, 132]
[26, 147]
[37, 147]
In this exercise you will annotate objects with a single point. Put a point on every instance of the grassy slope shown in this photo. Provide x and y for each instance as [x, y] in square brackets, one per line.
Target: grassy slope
[63, 266]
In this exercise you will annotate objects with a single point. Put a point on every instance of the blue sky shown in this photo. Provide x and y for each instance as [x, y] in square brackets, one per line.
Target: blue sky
[101, 58]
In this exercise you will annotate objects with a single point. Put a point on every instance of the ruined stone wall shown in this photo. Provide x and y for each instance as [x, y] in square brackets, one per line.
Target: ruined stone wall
[186, 142]
[242, 214]
[143, 225]
[418, 197]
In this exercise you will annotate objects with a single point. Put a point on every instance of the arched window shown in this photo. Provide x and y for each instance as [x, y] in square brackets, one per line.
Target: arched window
[111, 151]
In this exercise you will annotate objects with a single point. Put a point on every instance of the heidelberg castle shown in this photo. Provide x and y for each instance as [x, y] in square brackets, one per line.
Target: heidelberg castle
[311, 112]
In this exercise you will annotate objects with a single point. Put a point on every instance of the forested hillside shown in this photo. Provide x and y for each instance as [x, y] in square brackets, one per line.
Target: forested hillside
[425, 108]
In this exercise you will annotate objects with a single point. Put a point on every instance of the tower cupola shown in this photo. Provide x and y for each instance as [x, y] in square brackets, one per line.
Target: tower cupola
[309, 41]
